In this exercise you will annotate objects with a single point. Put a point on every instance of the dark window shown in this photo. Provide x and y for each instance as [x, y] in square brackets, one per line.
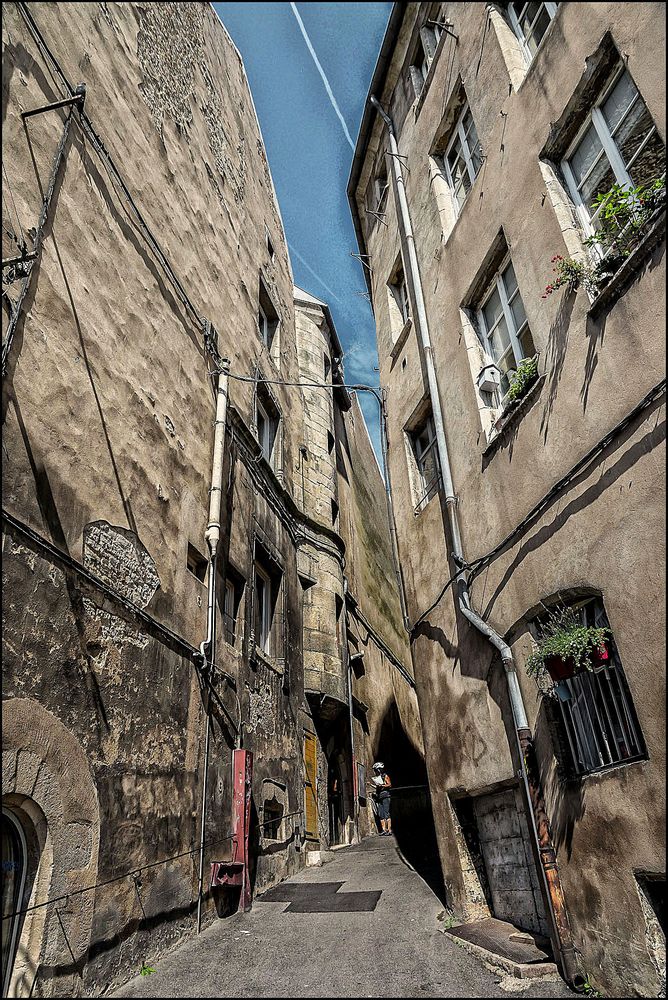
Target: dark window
[267, 316]
[230, 592]
[197, 564]
[268, 605]
[267, 423]
[272, 819]
[14, 865]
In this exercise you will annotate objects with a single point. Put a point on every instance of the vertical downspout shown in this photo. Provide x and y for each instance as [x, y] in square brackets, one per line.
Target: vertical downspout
[349, 681]
[208, 647]
[561, 935]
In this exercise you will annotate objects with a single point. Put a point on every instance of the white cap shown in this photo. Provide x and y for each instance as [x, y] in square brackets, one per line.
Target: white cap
[379, 766]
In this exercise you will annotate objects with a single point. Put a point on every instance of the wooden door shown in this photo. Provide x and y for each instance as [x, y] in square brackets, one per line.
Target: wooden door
[310, 789]
[511, 872]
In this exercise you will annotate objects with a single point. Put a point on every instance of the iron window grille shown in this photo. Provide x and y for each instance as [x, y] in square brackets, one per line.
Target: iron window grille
[462, 158]
[599, 720]
[426, 459]
[504, 326]
[617, 143]
[530, 21]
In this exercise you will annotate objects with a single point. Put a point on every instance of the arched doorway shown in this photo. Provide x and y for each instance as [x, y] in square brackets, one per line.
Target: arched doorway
[14, 873]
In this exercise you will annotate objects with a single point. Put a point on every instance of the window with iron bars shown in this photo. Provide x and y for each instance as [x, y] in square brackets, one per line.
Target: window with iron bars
[597, 722]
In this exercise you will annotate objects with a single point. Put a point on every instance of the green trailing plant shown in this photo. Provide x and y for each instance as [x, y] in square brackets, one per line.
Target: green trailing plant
[523, 379]
[622, 213]
[146, 970]
[563, 634]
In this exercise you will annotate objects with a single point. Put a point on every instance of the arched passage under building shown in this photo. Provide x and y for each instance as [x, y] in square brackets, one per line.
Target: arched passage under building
[410, 810]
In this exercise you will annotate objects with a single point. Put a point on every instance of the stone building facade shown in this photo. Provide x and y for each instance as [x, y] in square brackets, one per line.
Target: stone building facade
[142, 244]
[509, 120]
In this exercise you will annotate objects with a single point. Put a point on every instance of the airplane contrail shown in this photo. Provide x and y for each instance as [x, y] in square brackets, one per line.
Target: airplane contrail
[330, 94]
[317, 277]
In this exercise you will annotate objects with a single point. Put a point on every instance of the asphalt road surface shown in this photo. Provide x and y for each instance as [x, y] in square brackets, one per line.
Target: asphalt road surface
[363, 925]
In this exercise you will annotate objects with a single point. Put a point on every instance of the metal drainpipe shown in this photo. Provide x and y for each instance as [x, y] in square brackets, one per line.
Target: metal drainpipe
[562, 940]
[349, 680]
[208, 647]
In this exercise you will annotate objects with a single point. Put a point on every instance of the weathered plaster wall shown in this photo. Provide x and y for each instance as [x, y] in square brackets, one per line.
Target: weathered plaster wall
[108, 434]
[606, 532]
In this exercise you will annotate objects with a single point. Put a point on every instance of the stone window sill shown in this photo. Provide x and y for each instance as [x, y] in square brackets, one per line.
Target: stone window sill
[400, 342]
[621, 280]
[509, 418]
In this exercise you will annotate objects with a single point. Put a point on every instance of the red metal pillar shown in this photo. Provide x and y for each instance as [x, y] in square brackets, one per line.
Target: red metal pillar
[242, 762]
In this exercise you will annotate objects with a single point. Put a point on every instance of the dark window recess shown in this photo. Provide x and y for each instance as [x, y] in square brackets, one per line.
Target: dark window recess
[653, 887]
[330, 442]
[230, 592]
[465, 812]
[335, 511]
[272, 819]
[197, 564]
[270, 248]
[327, 366]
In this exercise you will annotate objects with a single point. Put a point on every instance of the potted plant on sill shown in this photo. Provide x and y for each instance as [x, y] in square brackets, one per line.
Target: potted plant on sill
[521, 380]
[567, 646]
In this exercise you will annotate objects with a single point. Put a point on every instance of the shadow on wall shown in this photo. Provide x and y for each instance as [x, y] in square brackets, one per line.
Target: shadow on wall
[411, 812]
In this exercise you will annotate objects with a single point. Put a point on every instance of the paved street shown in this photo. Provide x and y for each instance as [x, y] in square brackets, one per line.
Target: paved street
[362, 925]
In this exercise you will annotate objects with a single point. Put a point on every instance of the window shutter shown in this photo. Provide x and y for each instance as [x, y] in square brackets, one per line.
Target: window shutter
[428, 41]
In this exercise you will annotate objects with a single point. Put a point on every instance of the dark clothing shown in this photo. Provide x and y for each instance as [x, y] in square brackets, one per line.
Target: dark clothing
[383, 804]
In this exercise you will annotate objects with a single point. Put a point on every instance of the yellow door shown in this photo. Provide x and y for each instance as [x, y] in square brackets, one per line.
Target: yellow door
[310, 771]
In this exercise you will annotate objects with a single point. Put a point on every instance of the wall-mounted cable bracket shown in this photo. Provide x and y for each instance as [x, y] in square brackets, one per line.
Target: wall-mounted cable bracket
[77, 100]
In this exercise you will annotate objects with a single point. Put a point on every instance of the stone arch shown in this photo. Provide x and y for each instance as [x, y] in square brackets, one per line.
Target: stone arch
[48, 785]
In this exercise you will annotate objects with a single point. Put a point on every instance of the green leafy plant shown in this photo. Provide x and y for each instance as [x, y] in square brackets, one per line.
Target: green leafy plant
[622, 213]
[563, 634]
[522, 380]
[146, 970]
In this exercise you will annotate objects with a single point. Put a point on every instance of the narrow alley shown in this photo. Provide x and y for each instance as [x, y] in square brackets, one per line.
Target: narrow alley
[363, 925]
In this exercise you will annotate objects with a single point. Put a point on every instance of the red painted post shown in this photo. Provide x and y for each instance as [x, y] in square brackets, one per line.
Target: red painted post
[242, 763]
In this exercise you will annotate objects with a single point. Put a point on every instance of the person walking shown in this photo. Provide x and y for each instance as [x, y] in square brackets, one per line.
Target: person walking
[382, 784]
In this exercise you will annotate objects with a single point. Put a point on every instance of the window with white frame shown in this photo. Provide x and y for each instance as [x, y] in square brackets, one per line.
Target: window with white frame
[267, 317]
[267, 605]
[504, 325]
[617, 144]
[425, 451]
[267, 423]
[597, 722]
[462, 158]
[399, 302]
[530, 21]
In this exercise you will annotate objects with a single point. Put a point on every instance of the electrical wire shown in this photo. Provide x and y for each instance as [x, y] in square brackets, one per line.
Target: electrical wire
[475, 567]
[137, 871]
[305, 385]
